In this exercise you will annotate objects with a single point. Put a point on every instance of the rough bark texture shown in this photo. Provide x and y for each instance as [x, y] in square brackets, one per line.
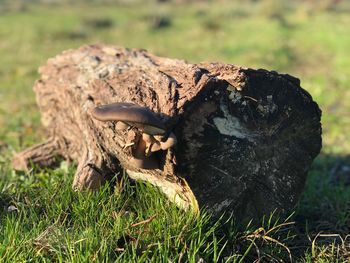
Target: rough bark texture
[246, 138]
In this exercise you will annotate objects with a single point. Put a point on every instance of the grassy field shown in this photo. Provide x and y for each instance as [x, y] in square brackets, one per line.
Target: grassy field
[43, 220]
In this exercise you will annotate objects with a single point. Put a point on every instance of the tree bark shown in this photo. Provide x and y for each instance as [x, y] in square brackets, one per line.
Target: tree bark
[246, 138]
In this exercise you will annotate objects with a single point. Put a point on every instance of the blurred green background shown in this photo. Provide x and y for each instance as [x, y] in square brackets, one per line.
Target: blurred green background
[309, 39]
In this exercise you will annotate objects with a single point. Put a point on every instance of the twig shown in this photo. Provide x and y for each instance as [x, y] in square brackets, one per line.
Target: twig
[144, 221]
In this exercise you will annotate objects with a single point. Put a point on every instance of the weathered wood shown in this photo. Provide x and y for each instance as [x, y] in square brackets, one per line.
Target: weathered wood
[246, 138]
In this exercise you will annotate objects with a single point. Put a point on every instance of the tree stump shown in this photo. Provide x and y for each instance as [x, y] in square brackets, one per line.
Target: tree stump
[245, 138]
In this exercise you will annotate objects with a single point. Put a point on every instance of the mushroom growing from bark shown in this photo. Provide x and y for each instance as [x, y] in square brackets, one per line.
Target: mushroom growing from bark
[129, 114]
[166, 142]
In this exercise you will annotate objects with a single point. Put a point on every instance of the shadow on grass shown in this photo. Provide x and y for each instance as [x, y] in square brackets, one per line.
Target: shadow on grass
[325, 204]
[323, 214]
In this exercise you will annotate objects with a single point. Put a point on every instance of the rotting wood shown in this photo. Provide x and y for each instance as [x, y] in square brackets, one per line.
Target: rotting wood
[246, 138]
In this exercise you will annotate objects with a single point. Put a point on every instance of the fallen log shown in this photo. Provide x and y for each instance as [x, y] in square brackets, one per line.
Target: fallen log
[245, 138]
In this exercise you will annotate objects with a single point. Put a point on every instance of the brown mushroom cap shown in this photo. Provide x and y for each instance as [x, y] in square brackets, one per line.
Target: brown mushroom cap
[170, 142]
[132, 114]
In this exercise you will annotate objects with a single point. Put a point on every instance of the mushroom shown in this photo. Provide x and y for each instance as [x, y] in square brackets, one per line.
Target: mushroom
[155, 147]
[140, 159]
[149, 140]
[147, 145]
[140, 117]
[131, 114]
[166, 143]
[170, 142]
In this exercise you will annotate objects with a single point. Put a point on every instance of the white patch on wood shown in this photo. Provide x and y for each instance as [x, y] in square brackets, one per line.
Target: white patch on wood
[234, 97]
[230, 125]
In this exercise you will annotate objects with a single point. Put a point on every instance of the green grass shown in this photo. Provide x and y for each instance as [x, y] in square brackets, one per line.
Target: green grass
[124, 223]
[53, 223]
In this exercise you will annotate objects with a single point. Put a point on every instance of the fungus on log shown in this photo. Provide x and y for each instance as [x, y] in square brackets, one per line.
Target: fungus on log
[226, 138]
